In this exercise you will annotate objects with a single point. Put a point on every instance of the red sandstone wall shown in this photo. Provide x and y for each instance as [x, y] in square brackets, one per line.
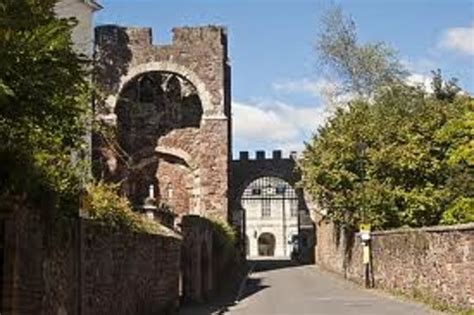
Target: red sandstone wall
[437, 262]
[126, 273]
[67, 269]
[39, 269]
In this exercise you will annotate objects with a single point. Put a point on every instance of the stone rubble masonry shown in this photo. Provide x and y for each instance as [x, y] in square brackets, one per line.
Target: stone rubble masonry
[80, 267]
[437, 262]
[128, 273]
[198, 55]
[197, 259]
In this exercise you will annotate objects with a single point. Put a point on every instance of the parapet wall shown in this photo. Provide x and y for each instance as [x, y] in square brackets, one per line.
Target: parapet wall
[262, 155]
[246, 169]
[435, 263]
[128, 273]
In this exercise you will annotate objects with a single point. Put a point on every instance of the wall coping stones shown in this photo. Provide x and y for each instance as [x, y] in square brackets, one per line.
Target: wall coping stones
[428, 229]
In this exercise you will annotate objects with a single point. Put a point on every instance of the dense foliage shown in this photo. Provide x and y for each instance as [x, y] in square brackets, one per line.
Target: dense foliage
[404, 158]
[43, 105]
[103, 203]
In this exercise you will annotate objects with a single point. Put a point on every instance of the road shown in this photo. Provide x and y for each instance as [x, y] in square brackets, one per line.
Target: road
[282, 288]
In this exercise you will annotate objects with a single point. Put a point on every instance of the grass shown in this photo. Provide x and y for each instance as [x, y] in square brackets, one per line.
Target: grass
[433, 302]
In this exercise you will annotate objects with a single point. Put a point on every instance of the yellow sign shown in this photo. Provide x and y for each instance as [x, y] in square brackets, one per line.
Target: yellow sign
[364, 227]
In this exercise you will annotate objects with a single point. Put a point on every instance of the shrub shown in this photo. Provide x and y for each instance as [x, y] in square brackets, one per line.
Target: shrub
[105, 205]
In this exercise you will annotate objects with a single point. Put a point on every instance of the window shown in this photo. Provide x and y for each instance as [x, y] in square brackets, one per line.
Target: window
[280, 190]
[293, 208]
[266, 208]
[269, 190]
[256, 191]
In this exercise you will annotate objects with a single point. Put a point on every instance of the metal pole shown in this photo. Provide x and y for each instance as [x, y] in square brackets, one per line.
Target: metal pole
[284, 227]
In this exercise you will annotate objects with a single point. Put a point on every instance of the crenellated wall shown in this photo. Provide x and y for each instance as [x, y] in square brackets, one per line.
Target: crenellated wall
[245, 170]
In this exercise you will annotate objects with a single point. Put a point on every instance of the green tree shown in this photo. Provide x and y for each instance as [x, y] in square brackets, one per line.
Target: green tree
[43, 104]
[399, 159]
[362, 69]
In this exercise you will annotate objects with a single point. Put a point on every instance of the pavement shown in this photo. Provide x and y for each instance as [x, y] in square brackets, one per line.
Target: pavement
[281, 287]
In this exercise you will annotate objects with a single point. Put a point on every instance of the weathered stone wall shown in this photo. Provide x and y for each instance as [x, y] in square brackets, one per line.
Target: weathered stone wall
[39, 263]
[435, 262]
[170, 105]
[197, 259]
[128, 273]
[83, 268]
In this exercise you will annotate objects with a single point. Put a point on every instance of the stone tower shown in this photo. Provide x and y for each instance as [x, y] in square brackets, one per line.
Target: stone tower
[169, 109]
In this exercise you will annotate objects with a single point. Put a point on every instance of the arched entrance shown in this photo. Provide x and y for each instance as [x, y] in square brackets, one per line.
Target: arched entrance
[270, 205]
[159, 109]
[266, 244]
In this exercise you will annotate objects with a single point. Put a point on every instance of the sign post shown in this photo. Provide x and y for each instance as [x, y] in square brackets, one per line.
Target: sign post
[364, 230]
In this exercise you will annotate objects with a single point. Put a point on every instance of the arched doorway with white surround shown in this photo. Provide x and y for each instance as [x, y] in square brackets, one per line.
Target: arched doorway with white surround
[266, 245]
[271, 214]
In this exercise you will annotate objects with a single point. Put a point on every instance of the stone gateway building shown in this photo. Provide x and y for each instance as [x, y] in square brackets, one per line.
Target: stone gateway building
[169, 109]
[268, 209]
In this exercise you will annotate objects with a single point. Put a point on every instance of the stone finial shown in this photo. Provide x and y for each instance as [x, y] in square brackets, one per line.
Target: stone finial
[150, 202]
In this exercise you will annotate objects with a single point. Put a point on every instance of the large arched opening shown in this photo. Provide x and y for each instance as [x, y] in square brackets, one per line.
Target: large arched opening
[266, 244]
[159, 109]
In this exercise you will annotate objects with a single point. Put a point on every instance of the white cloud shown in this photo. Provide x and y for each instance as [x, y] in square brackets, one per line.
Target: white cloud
[418, 79]
[327, 90]
[460, 39]
[275, 124]
[314, 88]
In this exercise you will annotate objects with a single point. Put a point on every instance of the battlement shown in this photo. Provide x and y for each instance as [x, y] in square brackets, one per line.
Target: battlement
[261, 155]
[122, 36]
[200, 35]
[142, 36]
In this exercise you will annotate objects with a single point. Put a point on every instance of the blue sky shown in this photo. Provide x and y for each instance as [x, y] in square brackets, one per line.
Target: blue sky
[277, 90]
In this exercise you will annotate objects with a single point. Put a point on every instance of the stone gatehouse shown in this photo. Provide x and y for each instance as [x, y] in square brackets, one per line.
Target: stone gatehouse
[268, 209]
[169, 107]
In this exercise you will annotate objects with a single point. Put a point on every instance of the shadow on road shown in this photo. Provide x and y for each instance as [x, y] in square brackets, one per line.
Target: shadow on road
[272, 264]
[251, 286]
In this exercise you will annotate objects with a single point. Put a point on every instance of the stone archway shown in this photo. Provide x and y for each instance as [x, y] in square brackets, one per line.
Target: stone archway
[266, 244]
[159, 117]
[169, 67]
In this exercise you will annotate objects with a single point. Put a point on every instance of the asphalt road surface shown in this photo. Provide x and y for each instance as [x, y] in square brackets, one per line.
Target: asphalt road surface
[281, 288]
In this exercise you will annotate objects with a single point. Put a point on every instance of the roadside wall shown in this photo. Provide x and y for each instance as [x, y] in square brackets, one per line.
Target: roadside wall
[435, 262]
[84, 268]
[39, 267]
[128, 273]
